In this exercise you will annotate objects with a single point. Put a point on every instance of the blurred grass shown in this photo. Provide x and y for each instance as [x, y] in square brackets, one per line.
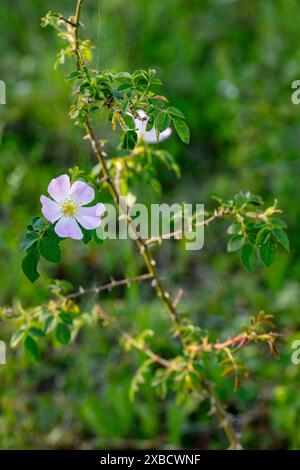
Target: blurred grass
[229, 66]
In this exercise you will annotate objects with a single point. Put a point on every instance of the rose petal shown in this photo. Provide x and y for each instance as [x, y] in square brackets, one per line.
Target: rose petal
[82, 192]
[68, 227]
[59, 188]
[149, 136]
[165, 134]
[140, 124]
[50, 209]
[90, 217]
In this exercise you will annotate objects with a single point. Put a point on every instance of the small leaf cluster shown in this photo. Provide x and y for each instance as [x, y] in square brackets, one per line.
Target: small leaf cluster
[182, 373]
[146, 164]
[39, 240]
[52, 18]
[123, 95]
[258, 330]
[65, 28]
[234, 366]
[181, 378]
[60, 321]
[255, 233]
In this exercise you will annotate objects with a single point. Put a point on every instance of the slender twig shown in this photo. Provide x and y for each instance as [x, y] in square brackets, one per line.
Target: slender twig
[242, 339]
[178, 297]
[110, 285]
[166, 236]
[71, 23]
[146, 350]
[76, 33]
[223, 418]
[138, 345]
[102, 180]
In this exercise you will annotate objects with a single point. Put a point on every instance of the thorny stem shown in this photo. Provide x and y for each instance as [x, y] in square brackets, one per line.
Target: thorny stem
[139, 346]
[216, 407]
[143, 248]
[243, 339]
[68, 21]
[110, 285]
[223, 418]
[76, 33]
[166, 236]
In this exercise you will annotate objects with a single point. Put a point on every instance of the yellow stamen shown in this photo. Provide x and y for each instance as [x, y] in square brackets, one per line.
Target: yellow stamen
[69, 208]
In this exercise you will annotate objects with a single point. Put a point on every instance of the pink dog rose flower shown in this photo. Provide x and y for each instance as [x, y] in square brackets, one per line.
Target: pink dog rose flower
[66, 207]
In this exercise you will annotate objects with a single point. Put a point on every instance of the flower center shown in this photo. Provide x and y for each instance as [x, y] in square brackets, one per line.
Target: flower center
[69, 207]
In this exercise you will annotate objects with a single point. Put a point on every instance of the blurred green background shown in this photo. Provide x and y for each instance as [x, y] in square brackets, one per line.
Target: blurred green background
[229, 65]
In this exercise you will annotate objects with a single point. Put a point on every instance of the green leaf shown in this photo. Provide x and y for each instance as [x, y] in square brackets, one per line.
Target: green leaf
[50, 323]
[251, 237]
[87, 235]
[163, 121]
[176, 112]
[93, 108]
[277, 222]
[234, 229]
[36, 332]
[39, 223]
[150, 123]
[62, 333]
[182, 130]
[124, 86]
[30, 263]
[267, 252]
[50, 250]
[31, 348]
[28, 240]
[121, 75]
[17, 337]
[242, 198]
[96, 235]
[66, 318]
[129, 140]
[235, 243]
[255, 199]
[34, 219]
[281, 237]
[247, 257]
[262, 236]
[50, 232]
[50, 19]
[73, 75]
[129, 121]
[156, 81]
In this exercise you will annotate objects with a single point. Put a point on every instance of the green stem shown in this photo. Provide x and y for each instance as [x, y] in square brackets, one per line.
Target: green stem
[144, 250]
[224, 421]
[76, 32]
[223, 418]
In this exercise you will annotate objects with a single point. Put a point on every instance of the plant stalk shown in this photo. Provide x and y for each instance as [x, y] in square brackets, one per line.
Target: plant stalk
[224, 421]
